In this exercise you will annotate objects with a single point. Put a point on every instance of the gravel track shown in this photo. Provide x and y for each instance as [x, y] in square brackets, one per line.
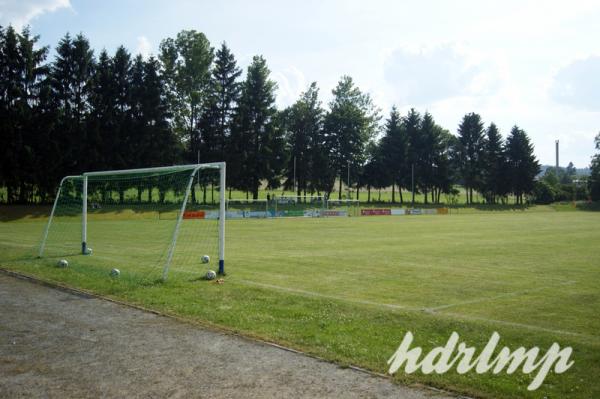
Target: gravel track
[57, 344]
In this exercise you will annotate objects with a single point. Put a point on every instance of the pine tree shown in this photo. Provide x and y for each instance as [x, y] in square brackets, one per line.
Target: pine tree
[11, 133]
[101, 123]
[469, 152]
[412, 126]
[5, 137]
[442, 178]
[349, 126]
[160, 144]
[150, 140]
[22, 71]
[48, 166]
[376, 172]
[226, 93]
[424, 170]
[391, 157]
[71, 74]
[257, 136]
[523, 167]
[494, 180]
[215, 126]
[304, 124]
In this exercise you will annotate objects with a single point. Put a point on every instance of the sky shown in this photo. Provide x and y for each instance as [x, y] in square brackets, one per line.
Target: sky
[535, 64]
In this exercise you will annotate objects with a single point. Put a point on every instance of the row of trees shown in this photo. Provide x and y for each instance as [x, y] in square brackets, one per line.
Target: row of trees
[415, 150]
[76, 114]
[80, 112]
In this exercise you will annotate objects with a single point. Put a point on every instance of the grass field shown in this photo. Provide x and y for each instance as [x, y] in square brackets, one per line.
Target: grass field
[347, 289]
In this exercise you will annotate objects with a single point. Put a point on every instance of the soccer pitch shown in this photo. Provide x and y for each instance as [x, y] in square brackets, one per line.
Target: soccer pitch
[347, 289]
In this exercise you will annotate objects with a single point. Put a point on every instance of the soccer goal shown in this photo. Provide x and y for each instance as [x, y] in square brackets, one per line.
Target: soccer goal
[247, 208]
[343, 207]
[300, 205]
[148, 223]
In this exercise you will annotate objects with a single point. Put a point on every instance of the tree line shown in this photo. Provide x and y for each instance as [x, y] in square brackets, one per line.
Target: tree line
[81, 112]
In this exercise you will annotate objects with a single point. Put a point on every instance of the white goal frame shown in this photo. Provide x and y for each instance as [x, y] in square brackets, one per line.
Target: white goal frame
[343, 202]
[193, 168]
[304, 199]
[347, 203]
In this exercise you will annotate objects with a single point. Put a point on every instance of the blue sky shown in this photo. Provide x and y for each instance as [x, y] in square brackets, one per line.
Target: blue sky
[531, 63]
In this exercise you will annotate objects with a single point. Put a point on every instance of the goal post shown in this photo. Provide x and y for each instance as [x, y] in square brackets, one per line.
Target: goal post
[53, 210]
[110, 199]
[350, 207]
[298, 205]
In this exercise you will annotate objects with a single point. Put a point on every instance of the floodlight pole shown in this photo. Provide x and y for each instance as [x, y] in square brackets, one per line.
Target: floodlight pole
[84, 216]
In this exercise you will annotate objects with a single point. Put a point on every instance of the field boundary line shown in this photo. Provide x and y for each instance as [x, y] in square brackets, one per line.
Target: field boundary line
[593, 338]
[327, 296]
[220, 329]
[16, 244]
[499, 296]
[422, 310]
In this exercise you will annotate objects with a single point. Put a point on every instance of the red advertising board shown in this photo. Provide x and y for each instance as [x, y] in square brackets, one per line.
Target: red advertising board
[193, 214]
[375, 211]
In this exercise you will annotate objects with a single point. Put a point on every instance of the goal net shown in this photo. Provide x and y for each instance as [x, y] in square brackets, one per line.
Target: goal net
[343, 207]
[147, 223]
[301, 205]
[247, 208]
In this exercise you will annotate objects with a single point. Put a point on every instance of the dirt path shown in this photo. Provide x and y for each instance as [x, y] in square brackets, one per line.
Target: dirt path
[61, 345]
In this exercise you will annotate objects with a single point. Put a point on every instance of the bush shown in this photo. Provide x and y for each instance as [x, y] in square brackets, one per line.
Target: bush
[544, 193]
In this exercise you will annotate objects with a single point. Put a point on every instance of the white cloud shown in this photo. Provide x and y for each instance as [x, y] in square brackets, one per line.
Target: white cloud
[290, 83]
[19, 13]
[578, 85]
[433, 74]
[522, 20]
[143, 46]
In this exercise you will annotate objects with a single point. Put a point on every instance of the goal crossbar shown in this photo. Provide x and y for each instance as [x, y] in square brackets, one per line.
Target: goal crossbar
[174, 168]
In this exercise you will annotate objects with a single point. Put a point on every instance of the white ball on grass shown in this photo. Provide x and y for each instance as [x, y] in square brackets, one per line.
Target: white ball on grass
[205, 259]
[115, 273]
[62, 263]
[211, 275]
[88, 251]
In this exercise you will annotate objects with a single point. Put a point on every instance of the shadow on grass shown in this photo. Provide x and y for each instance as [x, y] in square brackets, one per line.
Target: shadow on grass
[157, 282]
[477, 206]
[577, 206]
[482, 207]
[10, 213]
